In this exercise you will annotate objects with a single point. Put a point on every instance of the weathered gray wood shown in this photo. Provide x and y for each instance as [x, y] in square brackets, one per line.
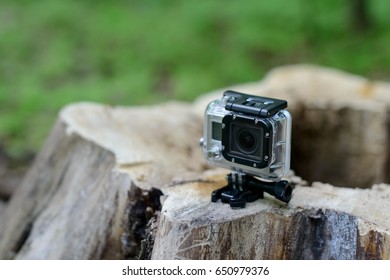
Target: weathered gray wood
[96, 185]
[76, 201]
[320, 222]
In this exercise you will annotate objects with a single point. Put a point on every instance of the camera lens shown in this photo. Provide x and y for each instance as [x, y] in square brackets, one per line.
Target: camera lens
[246, 141]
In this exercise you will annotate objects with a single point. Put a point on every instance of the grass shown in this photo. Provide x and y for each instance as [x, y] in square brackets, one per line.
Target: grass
[140, 52]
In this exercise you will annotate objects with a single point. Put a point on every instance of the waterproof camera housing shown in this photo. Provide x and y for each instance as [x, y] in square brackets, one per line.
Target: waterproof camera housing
[251, 135]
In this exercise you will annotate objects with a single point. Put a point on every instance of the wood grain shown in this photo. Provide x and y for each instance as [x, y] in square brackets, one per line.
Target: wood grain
[129, 182]
[320, 222]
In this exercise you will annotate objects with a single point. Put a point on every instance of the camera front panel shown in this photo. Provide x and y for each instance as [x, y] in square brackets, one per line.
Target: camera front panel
[246, 140]
[239, 142]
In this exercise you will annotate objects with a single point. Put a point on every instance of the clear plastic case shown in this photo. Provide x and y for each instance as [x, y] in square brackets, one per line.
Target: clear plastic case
[277, 136]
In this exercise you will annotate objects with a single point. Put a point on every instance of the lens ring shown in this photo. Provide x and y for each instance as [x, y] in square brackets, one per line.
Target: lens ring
[246, 141]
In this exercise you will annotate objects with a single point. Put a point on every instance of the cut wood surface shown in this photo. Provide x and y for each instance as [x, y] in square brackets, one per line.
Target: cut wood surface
[320, 222]
[115, 182]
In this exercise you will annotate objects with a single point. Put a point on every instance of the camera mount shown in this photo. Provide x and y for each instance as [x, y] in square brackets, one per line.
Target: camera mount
[242, 188]
[251, 135]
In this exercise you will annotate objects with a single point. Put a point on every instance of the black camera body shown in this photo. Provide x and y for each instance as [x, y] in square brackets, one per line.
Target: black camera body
[251, 135]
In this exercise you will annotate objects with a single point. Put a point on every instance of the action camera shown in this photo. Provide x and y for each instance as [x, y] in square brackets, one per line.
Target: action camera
[251, 135]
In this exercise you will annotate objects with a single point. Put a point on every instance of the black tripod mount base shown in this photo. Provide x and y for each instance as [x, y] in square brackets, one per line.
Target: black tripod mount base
[242, 188]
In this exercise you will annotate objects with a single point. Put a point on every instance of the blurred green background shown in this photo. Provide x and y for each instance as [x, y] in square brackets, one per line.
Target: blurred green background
[124, 52]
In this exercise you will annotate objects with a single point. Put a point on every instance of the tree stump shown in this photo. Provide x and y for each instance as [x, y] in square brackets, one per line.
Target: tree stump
[115, 183]
[320, 222]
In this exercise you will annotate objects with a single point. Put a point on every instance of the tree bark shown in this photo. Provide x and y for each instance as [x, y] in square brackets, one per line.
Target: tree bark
[114, 183]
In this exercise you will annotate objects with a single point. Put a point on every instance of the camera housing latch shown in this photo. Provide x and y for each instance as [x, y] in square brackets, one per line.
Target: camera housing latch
[259, 106]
